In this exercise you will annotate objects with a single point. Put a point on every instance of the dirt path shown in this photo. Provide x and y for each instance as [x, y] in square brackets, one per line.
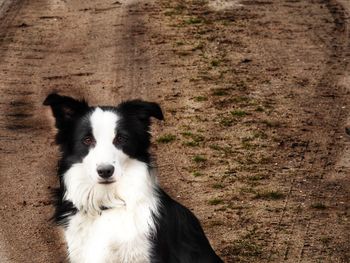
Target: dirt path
[256, 95]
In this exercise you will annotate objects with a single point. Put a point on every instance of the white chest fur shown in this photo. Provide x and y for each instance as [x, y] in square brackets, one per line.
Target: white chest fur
[121, 233]
[115, 236]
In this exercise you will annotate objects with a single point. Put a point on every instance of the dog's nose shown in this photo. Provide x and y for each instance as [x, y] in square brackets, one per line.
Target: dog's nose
[105, 170]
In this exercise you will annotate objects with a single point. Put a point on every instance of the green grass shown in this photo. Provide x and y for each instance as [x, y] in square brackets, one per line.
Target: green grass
[180, 43]
[215, 147]
[196, 138]
[226, 121]
[244, 249]
[166, 138]
[200, 98]
[215, 201]
[199, 46]
[215, 63]
[217, 222]
[220, 92]
[259, 109]
[256, 177]
[269, 195]
[187, 134]
[193, 21]
[242, 86]
[183, 53]
[240, 99]
[260, 135]
[197, 174]
[191, 144]
[218, 186]
[199, 159]
[247, 145]
[319, 206]
[326, 240]
[239, 113]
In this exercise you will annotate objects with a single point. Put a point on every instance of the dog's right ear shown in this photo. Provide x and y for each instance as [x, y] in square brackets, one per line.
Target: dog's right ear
[65, 109]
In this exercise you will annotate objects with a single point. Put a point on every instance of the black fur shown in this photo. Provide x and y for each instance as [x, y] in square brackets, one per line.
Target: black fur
[67, 112]
[180, 237]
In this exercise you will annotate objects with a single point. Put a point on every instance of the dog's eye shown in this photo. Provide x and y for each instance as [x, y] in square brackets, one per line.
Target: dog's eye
[88, 140]
[117, 139]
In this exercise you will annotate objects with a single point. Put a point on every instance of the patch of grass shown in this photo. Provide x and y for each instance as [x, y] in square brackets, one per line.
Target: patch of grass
[183, 53]
[260, 135]
[197, 174]
[247, 145]
[200, 98]
[195, 137]
[269, 195]
[187, 133]
[194, 79]
[199, 46]
[180, 43]
[259, 109]
[191, 143]
[319, 206]
[239, 113]
[199, 159]
[243, 250]
[216, 223]
[180, 7]
[170, 13]
[230, 172]
[326, 240]
[218, 186]
[198, 138]
[202, 32]
[220, 92]
[226, 121]
[242, 86]
[193, 21]
[240, 100]
[206, 77]
[215, 201]
[256, 177]
[215, 63]
[215, 147]
[166, 138]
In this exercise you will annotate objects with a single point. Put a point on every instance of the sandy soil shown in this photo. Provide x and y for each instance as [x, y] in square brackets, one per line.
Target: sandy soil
[256, 98]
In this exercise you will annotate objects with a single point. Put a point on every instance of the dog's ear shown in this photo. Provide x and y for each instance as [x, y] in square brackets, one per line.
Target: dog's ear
[64, 108]
[143, 110]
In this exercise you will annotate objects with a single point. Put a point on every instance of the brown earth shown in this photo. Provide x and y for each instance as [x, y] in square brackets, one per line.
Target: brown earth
[256, 98]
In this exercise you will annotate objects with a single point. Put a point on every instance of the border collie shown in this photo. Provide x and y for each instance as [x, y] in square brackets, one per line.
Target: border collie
[109, 201]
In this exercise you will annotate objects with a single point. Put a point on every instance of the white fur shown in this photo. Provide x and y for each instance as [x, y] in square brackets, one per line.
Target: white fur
[120, 233]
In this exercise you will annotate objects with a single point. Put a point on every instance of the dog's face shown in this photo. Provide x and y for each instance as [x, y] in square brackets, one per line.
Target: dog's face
[100, 143]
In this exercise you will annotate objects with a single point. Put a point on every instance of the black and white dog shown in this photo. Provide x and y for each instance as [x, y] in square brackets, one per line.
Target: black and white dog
[109, 202]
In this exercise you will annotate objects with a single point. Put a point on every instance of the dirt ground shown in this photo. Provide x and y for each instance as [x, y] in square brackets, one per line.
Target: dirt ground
[256, 96]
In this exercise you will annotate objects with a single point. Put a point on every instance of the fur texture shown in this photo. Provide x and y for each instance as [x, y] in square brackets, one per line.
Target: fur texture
[109, 202]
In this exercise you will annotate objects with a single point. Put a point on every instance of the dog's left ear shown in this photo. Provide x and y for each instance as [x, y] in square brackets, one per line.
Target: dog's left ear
[65, 109]
[143, 110]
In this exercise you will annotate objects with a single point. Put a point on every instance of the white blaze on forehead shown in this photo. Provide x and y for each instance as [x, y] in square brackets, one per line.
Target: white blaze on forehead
[103, 125]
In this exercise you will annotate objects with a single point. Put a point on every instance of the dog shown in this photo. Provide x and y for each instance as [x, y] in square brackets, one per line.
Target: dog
[109, 202]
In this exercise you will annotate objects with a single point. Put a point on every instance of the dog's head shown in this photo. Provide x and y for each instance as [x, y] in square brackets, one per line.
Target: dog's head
[101, 146]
